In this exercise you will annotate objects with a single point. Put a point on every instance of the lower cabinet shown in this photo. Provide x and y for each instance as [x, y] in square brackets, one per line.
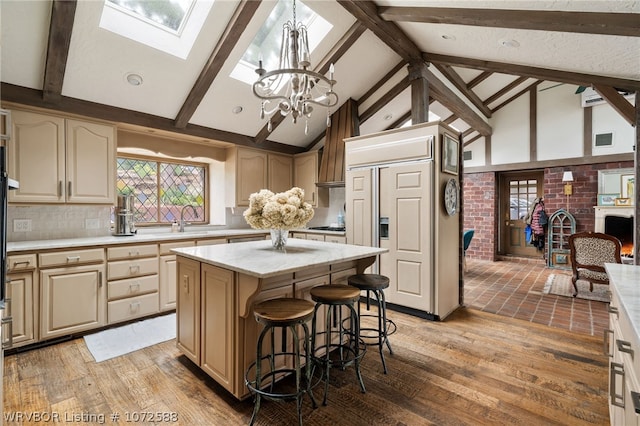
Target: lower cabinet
[188, 308]
[168, 295]
[20, 299]
[624, 367]
[73, 300]
[132, 272]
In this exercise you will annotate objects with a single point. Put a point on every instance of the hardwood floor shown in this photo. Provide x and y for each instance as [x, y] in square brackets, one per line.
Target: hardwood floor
[475, 368]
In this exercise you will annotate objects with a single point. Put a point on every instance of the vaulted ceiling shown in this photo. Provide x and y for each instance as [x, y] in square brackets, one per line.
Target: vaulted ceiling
[481, 55]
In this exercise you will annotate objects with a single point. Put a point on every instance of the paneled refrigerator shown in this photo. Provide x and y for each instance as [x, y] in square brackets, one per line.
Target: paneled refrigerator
[395, 190]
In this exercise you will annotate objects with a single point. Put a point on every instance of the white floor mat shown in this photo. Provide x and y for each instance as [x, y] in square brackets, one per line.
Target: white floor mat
[118, 341]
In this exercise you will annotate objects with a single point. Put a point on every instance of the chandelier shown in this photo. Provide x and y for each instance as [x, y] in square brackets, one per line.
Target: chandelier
[294, 89]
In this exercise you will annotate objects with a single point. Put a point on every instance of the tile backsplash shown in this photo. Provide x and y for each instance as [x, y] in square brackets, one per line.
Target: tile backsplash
[48, 222]
[57, 221]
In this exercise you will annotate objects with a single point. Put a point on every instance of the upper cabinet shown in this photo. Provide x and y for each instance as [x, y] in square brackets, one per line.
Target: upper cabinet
[305, 176]
[58, 160]
[250, 170]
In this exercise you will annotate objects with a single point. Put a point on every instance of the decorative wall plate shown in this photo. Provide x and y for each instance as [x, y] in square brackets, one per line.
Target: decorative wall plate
[451, 197]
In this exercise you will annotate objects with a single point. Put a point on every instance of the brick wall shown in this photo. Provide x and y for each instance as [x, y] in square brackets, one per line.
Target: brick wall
[480, 202]
[480, 198]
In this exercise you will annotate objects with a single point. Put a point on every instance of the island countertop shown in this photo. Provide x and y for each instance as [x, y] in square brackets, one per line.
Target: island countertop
[260, 259]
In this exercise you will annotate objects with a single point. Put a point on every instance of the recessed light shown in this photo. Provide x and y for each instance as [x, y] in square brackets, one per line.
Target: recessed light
[133, 79]
[448, 37]
[237, 110]
[508, 43]
[388, 117]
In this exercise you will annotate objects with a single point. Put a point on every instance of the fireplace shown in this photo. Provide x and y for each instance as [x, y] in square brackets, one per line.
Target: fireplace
[618, 222]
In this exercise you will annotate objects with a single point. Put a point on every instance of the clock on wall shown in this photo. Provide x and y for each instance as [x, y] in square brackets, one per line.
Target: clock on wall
[451, 197]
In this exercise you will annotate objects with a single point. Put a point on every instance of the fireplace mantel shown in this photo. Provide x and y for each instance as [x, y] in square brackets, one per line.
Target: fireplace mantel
[604, 211]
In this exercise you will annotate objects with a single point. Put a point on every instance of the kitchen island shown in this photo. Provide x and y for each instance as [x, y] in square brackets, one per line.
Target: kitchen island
[218, 285]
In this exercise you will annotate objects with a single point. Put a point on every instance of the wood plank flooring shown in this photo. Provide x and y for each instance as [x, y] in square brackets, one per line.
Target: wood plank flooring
[475, 368]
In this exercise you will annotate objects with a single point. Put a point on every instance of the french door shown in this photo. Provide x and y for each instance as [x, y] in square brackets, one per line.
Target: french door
[516, 196]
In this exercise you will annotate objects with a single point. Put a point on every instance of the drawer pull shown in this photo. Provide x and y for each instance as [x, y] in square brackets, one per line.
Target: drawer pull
[26, 263]
[635, 397]
[134, 253]
[624, 346]
[135, 288]
[617, 370]
[613, 310]
[73, 258]
[135, 306]
[134, 268]
[606, 342]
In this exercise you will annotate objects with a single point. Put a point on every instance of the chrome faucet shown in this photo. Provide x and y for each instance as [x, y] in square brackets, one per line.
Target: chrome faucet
[195, 212]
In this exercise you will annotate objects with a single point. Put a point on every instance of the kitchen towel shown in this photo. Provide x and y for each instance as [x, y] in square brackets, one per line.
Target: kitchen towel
[118, 341]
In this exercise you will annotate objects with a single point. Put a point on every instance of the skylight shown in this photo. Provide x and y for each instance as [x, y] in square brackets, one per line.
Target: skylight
[168, 25]
[267, 42]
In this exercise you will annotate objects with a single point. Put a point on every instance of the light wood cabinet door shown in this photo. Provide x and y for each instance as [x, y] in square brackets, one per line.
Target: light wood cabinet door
[188, 308]
[218, 324]
[305, 176]
[280, 173]
[91, 162]
[20, 307]
[36, 158]
[359, 201]
[251, 174]
[73, 300]
[168, 270]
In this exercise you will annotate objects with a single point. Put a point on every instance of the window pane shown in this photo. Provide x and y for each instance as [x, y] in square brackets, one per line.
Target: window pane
[162, 189]
[167, 13]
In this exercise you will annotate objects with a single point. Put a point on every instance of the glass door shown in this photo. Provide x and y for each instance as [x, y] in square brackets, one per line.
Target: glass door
[517, 194]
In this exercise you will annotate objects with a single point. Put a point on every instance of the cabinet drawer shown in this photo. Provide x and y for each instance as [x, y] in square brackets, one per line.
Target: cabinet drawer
[132, 252]
[335, 239]
[132, 268]
[165, 248]
[315, 237]
[71, 257]
[211, 241]
[133, 307]
[132, 287]
[21, 262]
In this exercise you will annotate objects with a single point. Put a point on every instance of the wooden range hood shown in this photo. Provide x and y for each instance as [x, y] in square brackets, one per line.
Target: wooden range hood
[344, 124]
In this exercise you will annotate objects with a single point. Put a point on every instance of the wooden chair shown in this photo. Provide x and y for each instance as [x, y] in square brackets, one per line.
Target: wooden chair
[589, 252]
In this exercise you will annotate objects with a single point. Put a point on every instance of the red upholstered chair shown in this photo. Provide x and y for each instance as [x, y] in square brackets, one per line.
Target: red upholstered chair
[589, 252]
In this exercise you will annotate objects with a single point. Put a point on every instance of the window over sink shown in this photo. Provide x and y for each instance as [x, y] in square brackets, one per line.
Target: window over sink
[162, 188]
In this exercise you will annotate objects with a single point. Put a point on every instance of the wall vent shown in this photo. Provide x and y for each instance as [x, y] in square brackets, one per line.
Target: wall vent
[467, 155]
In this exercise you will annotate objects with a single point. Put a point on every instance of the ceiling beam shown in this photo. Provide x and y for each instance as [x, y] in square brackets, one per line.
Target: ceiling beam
[60, 28]
[471, 140]
[517, 95]
[400, 121]
[617, 102]
[457, 81]
[515, 83]
[343, 45]
[399, 66]
[33, 97]
[384, 99]
[238, 23]
[390, 34]
[619, 24]
[479, 79]
[534, 72]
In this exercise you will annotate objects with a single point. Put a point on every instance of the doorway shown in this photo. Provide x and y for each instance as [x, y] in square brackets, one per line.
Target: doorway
[517, 191]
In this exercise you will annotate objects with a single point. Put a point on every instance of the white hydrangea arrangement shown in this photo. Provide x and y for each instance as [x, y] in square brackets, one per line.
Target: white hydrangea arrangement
[284, 210]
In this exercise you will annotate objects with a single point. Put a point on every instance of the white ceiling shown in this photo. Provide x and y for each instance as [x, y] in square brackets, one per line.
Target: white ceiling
[99, 60]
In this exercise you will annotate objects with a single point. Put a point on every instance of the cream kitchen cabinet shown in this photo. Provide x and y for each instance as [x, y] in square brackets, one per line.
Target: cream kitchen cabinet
[305, 176]
[58, 160]
[249, 170]
[624, 352]
[73, 292]
[168, 268]
[188, 308]
[132, 272]
[21, 298]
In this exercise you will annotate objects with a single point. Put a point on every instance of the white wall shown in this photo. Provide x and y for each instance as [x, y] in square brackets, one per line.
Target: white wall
[510, 138]
[560, 122]
[477, 149]
[607, 120]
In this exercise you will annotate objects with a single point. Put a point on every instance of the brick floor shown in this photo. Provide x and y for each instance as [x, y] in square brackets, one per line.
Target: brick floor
[514, 289]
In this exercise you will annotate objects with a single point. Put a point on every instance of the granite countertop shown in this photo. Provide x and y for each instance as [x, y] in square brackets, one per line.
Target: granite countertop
[141, 237]
[260, 259]
[625, 279]
[146, 235]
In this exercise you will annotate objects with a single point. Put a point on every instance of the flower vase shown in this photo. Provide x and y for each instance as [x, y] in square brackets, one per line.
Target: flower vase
[279, 238]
